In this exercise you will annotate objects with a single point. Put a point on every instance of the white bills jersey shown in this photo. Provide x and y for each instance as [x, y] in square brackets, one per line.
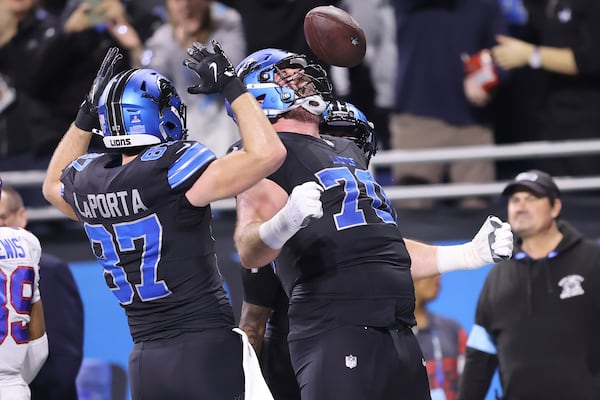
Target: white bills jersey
[20, 253]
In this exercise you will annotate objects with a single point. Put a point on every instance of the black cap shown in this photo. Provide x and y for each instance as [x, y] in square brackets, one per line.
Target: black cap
[535, 181]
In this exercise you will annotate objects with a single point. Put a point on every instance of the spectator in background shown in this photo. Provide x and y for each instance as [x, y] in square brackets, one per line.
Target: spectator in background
[442, 341]
[537, 314]
[436, 104]
[63, 313]
[109, 17]
[516, 105]
[192, 21]
[275, 24]
[370, 85]
[47, 60]
[31, 56]
[564, 44]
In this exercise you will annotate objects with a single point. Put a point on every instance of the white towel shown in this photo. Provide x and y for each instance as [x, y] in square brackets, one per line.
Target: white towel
[255, 386]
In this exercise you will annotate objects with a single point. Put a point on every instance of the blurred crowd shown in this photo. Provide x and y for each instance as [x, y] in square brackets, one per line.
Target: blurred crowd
[437, 73]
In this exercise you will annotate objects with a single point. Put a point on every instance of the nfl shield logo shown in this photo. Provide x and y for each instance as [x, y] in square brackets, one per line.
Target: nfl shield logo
[351, 361]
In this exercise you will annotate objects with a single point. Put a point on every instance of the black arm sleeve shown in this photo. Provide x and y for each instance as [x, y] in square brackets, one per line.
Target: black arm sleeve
[477, 375]
[261, 287]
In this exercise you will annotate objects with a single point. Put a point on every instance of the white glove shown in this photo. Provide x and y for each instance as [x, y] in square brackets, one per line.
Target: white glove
[303, 205]
[493, 243]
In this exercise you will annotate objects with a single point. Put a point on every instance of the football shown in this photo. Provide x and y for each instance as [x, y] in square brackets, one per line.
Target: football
[334, 36]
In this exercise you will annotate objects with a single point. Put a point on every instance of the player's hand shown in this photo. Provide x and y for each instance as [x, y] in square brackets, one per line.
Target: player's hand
[215, 71]
[87, 117]
[494, 241]
[304, 204]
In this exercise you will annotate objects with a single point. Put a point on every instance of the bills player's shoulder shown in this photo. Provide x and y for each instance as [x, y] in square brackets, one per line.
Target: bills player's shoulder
[20, 243]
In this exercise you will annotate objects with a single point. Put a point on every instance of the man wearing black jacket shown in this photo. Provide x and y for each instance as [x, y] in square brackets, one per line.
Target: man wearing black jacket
[537, 315]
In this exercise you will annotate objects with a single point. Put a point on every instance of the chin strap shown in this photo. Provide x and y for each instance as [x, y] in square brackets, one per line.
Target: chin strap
[314, 104]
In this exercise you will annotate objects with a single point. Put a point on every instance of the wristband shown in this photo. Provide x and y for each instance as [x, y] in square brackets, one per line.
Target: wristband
[234, 89]
[462, 256]
[86, 120]
[535, 60]
[278, 230]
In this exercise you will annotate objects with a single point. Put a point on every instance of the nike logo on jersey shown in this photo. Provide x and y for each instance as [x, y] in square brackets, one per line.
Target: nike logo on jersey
[213, 67]
[183, 148]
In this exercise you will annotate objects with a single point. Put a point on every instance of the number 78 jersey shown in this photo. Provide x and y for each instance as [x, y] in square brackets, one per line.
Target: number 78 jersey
[20, 253]
[358, 230]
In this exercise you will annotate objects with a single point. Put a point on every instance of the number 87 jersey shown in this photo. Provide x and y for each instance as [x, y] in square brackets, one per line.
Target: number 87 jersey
[156, 248]
[20, 253]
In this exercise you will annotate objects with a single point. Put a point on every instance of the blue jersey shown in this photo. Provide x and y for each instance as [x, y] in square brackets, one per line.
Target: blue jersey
[157, 249]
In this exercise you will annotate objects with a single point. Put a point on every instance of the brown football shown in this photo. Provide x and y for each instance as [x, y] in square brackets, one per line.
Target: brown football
[334, 36]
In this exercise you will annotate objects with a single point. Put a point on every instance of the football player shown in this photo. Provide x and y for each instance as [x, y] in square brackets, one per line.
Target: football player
[341, 258]
[146, 211]
[23, 340]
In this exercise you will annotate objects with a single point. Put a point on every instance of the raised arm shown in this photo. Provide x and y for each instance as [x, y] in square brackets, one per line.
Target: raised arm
[263, 152]
[76, 140]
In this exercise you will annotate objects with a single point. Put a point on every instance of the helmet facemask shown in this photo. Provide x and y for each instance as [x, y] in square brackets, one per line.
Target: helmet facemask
[169, 100]
[345, 120]
[282, 81]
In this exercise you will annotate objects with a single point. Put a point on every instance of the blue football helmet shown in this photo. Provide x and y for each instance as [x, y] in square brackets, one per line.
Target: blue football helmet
[140, 107]
[344, 119]
[258, 72]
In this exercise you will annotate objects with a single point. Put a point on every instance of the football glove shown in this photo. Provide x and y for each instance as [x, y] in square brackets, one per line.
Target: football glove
[303, 205]
[493, 243]
[87, 117]
[215, 71]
